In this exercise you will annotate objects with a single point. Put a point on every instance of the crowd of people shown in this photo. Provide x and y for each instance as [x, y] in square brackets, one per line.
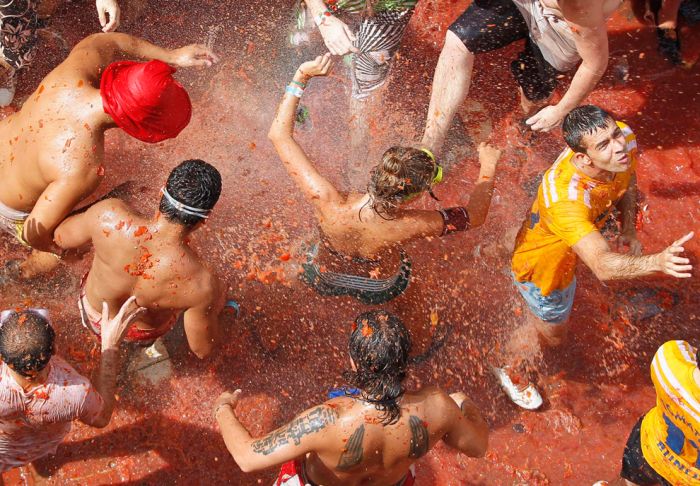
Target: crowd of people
[145, 279]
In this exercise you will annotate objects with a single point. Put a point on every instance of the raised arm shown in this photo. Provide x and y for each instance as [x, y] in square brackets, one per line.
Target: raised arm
[116, 46]
[112, 332]
[305, 433]
[608, 265]
[314, 186]
[468, 432]
[202, 321]
[588, 23]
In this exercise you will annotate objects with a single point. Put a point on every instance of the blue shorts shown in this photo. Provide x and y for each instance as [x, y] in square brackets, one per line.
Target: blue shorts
[553, 308]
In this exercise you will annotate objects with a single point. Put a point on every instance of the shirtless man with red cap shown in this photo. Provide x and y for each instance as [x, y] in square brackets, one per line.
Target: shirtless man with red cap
[51, 151]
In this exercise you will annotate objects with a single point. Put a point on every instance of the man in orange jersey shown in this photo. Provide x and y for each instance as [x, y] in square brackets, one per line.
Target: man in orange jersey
[664, 445]
[576, 196]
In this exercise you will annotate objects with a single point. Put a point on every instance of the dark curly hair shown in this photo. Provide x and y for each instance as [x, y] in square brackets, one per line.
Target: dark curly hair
[379, 346]
[194, 183]
[404, 171]
[26, 342]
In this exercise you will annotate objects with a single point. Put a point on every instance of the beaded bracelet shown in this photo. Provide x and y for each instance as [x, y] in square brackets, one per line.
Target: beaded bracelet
[294, 91]
[299, 83]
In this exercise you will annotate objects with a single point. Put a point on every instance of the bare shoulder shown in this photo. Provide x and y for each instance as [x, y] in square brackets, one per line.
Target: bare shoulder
[113, 213]
[206, 286]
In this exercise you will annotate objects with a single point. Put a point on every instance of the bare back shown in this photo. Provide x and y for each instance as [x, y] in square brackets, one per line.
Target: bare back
[132, 257]
[56, 134]
[362, 451]
[355, 230]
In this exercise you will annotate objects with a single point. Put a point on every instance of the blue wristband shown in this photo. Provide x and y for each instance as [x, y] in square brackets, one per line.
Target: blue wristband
[294, 91]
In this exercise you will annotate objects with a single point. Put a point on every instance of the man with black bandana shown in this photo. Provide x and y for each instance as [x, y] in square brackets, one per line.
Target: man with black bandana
[369, 434]
[150, 258]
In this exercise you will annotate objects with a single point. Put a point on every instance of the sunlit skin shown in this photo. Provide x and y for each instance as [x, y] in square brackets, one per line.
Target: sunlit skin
[150, 259]
[347, 220]
[52, 150]
[385, 450]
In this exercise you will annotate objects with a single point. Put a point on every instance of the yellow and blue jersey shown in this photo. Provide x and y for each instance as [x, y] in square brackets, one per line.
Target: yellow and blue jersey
[670, 432]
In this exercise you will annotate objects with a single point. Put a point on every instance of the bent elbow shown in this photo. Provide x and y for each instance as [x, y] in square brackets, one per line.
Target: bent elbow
[202, 353]
[246, 466]
[602, 273]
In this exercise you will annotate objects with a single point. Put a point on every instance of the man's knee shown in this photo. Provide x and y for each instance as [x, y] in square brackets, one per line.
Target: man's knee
[455, 48]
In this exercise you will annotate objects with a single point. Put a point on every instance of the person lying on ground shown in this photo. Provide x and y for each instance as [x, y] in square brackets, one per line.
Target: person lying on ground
[663, 445]
[53, 149]
[591, 178]
[151, 259]
[370, 433]
[559, 34]
[41, 394]
[364, 231]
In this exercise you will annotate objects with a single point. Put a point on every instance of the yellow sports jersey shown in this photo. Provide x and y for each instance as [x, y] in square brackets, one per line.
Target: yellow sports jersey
[569, 205]
[670, 433]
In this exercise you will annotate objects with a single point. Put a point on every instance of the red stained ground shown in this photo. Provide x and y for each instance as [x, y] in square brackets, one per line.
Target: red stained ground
[289, 345]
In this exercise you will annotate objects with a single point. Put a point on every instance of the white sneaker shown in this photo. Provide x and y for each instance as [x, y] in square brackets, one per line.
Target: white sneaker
[525, 397]
[600, 483]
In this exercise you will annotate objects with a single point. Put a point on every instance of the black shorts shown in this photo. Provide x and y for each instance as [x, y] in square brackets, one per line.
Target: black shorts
[634, 467]
[488, 25]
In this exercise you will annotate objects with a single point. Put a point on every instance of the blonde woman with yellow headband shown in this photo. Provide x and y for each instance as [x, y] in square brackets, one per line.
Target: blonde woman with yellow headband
[361, 234]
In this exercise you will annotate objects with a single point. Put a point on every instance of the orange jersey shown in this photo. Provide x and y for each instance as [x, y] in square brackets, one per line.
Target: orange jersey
[670, 433]
[569, 205]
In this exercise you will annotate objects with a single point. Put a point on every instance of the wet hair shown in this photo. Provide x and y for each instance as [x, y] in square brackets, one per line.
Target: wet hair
[26, 342]
[581, 121]
[193, 183]
[404, 171]
[379, 346]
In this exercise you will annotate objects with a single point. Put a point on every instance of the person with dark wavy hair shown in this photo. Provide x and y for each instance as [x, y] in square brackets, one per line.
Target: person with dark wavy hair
[41, 394]
[371, 432]
[151, 259]
[362, 233]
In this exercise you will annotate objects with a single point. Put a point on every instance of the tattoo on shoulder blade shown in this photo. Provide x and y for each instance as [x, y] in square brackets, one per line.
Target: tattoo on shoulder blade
[352, 455]
[317, 419]
[419, 437]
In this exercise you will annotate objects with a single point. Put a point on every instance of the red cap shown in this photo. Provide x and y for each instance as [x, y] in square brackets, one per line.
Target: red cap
[144, 99]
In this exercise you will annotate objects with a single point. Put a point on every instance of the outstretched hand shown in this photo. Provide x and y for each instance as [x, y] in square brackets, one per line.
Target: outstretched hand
[112, 331]
[669, 261]
[227, 398]
[194, 55]
[320, 66]
[546, 119]
[105, 9]
[337, 36]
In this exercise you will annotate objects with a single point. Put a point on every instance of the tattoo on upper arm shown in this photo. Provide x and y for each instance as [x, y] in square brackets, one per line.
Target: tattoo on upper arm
[419, 437]
[317, 419]
[352, 455]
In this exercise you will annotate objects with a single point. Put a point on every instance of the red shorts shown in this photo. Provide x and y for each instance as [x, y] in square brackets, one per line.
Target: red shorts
[292, 474]
[92, 318]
